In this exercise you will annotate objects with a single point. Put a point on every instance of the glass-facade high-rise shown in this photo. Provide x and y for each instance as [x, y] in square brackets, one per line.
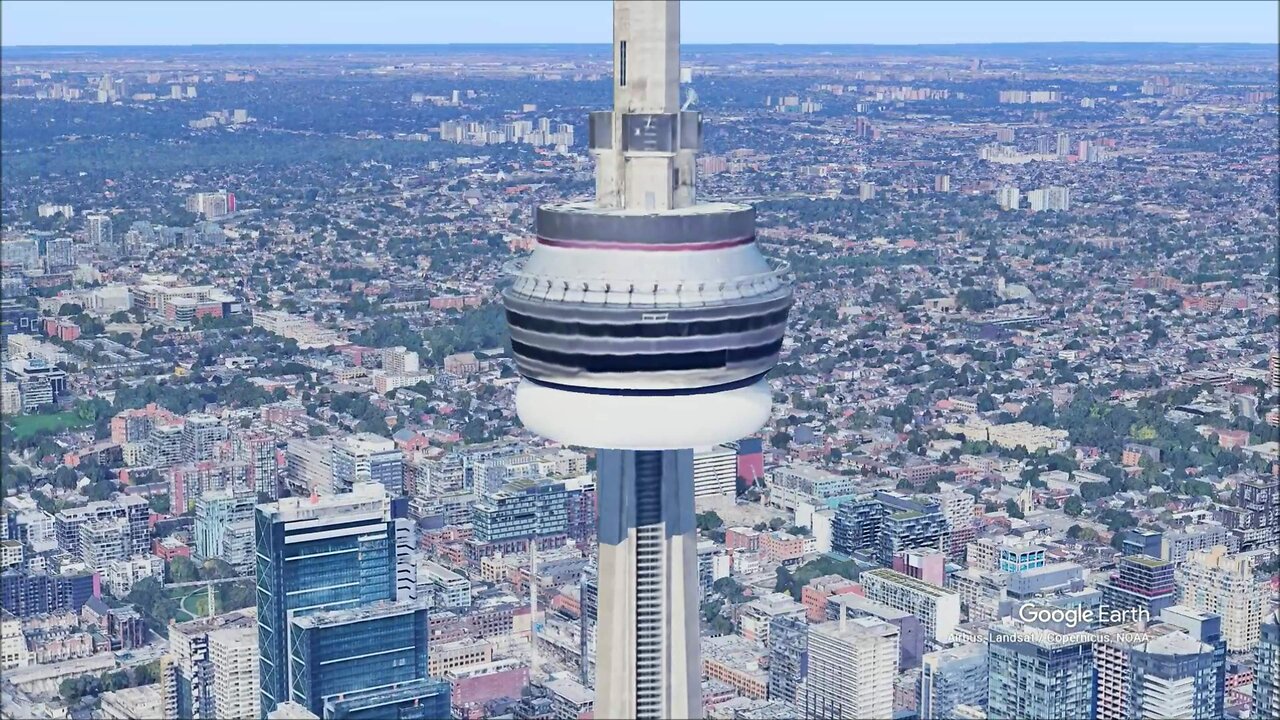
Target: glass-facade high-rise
[336, 652]
[1266, 682]
[956, 676]
[1038, 673]
[217, 513]
[314, 554]
[1175, 676]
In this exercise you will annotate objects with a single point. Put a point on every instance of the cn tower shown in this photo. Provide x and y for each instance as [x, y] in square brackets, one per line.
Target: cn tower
[644, 324]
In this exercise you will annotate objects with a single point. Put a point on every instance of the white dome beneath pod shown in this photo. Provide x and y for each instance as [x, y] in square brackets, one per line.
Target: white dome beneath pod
[644, 422]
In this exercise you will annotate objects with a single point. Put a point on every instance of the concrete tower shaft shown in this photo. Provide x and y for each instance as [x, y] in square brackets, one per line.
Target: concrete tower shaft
[647, 162]
[646, 59]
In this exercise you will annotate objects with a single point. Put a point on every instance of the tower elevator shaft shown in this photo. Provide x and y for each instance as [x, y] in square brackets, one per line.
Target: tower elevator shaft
[650, 668]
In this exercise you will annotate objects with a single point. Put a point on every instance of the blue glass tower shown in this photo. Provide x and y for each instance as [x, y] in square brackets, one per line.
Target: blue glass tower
[361, 659]
[316, 554]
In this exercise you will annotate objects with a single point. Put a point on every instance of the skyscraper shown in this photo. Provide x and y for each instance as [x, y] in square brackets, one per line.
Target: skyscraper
[59, 254]
[223, 517]
[1039, 673]
[1142, 541]
[1166, 670]
[589, 596]
[1206, 628]
[956, 676]
[164, 446]
[788, 657]
[1174, 677]
[852, 664]
[938, 609]
[1266, 680]
[98, 231]
[1008, 197]
[233, 652]
[400, 361]
[1221, 582]
[1064, 144]
[883, 524]
[340, 553]
[200, 437]
[133, 510]
[211, 669]
[309, 466]
[715, 471]
[644, 324]
[1256, 506]
[336, 652]
[523, 510]
[212, 205]
[1053, 198]
[1140, 583]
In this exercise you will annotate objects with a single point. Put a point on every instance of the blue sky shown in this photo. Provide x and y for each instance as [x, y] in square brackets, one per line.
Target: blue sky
[104, 22]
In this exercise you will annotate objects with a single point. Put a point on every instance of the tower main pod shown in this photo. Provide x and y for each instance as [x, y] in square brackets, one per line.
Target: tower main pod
[644, 324]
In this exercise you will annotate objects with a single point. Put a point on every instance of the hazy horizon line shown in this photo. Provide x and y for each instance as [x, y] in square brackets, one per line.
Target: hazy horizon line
[683, 45]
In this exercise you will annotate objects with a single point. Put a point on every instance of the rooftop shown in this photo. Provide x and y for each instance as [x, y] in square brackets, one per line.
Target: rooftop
[857, 602]
[248, 617]
[908, 581]
[1147, 561]
[855, 629]
[376, 697]
[363, 496]
[570, 690]
[1189, 612]
[326, 618]
[1177, 643]
[954, 654]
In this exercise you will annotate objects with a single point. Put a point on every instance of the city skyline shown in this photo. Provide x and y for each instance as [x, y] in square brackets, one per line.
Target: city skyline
[639, 379]
[804, 22]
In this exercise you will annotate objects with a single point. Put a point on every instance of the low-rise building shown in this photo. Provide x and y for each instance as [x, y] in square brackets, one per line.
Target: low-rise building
[737, 662]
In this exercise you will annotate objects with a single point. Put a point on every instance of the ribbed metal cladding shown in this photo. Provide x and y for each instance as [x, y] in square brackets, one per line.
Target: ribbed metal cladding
[648, 487]
[650, 546]
[703, 311]
[583, 223]
[626, 326]
[595, 346]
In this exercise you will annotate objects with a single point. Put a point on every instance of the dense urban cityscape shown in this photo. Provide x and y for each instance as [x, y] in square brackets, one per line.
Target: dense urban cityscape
[261, 454]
